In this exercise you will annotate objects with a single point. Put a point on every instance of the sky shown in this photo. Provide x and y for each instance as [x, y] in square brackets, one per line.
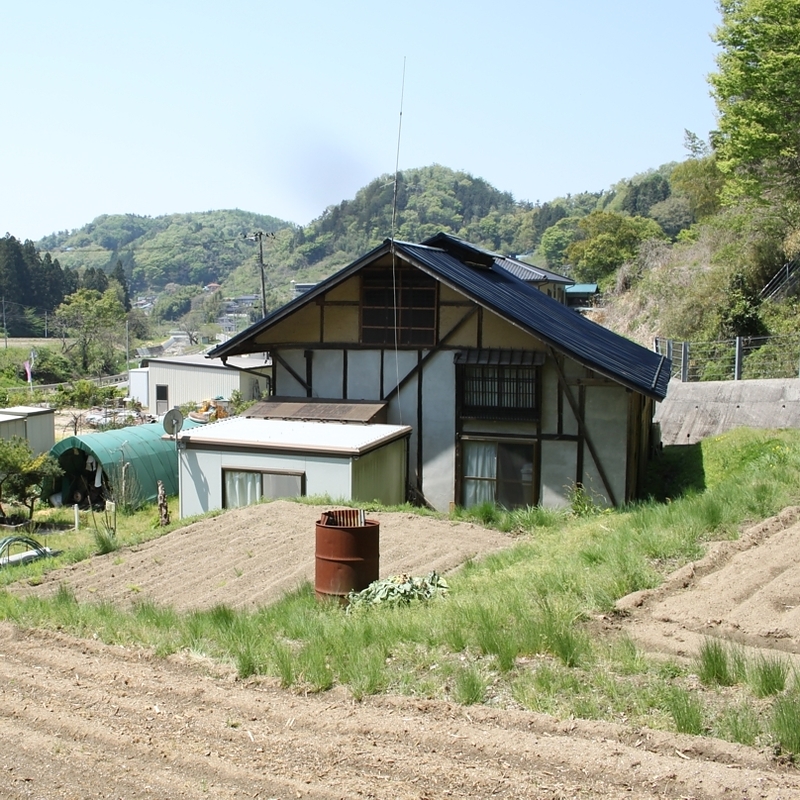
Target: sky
[286, 108]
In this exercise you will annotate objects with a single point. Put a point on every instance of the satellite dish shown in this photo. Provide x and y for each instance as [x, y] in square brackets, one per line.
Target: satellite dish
[173, 421]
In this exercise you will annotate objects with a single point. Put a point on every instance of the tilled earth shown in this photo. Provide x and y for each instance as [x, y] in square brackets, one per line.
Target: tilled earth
[80, 719]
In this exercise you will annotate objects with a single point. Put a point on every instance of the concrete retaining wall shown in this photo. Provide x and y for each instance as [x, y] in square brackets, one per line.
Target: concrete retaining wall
[694, 411]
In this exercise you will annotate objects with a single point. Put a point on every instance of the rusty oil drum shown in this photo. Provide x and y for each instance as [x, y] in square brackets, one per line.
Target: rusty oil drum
[347, 553]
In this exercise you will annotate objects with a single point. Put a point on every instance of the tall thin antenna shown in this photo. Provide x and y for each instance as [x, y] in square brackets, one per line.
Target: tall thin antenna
[397, 158]
[394, 269]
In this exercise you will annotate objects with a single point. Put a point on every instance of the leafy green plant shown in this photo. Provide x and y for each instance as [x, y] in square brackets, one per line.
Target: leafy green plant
[398, 590]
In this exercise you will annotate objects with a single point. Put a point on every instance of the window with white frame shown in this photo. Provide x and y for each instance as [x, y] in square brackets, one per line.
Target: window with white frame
[246, 487]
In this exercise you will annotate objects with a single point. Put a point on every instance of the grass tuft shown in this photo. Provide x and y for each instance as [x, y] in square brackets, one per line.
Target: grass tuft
[713, 664]
[785, 723]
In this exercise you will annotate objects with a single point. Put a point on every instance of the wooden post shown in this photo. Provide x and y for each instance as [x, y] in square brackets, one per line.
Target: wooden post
[163, 511]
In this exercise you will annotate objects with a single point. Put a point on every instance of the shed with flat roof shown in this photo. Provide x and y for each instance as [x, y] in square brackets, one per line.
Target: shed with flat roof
[239, 461]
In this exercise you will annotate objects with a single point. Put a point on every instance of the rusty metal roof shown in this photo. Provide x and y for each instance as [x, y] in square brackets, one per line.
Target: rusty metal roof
[320, 410]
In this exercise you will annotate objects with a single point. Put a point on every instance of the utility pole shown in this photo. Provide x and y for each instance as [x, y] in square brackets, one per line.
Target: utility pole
[258, 236]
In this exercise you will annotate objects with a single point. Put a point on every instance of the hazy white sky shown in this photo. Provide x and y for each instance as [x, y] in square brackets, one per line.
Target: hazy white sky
[285, 108]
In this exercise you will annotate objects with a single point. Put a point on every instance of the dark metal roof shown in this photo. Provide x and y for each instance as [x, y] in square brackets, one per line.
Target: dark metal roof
[561, 327]
[499, 358]
[529, 273]
[495, 288]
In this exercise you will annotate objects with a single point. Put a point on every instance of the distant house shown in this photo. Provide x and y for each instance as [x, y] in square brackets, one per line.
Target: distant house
[302, 288]
[163, 383]
[512, 397]
[581, 295]
[551, 283]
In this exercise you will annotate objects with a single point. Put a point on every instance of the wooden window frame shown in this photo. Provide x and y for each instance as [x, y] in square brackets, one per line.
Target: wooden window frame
[498, 391]
[398, 307]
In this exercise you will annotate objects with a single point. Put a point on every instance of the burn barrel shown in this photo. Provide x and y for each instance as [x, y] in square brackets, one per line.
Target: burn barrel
[347, 553]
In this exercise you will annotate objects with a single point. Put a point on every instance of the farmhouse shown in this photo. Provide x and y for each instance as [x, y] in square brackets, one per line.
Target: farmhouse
[511, 396]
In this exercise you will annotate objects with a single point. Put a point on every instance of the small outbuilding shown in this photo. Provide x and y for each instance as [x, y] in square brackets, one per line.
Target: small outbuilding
[33, 423]
[238, 461]
[163, 383]
[126, 462]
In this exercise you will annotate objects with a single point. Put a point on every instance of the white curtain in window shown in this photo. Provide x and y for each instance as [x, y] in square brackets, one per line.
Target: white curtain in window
[242, 488]
[480, 472]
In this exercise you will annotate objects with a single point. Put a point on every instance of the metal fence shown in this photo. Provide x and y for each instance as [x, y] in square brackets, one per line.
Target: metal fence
[742, 358]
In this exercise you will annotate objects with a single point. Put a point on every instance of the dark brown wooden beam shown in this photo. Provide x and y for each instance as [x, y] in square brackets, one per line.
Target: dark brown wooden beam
[433, 351]
[276, 356]
[582, 427]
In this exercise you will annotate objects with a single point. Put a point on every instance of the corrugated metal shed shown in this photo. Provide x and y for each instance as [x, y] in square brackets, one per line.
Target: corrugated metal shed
[475, 274]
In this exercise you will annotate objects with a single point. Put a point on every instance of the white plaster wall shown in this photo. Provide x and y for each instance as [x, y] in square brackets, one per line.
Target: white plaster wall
[363, 375]
[558, 472]
[286, 385]
[403, 409]
[327, 373]
[607, 426]
[438, 430]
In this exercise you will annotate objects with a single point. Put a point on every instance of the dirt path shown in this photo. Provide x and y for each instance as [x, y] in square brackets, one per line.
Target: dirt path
[80, 719]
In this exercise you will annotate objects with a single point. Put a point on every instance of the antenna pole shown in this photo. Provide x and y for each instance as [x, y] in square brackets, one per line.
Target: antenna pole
[397, 158]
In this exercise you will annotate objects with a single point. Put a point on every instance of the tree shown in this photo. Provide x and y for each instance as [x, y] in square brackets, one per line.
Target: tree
[557, 239]
[673, 214]
[700, 181]
[609, 240]
[94, 279]
[757, 92]
[191, 324]
[118, 275]
[94, 321]
[22, 473]
[644, 194]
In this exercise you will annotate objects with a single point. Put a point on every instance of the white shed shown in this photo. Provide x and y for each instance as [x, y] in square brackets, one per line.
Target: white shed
[177, 380]
[239, 461]
[35, 424]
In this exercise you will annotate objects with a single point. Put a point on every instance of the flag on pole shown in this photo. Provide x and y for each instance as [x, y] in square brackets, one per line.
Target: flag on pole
[27, 366]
